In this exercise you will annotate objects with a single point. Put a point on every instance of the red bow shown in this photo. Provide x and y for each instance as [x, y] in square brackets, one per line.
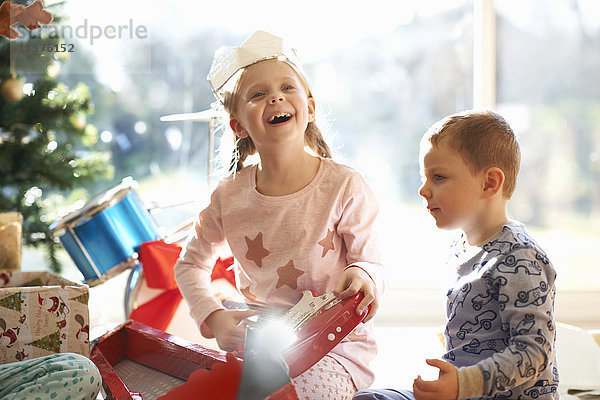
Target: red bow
[158, 259]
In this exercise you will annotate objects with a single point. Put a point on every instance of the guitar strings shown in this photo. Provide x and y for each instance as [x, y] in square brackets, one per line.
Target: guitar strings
[265, 313]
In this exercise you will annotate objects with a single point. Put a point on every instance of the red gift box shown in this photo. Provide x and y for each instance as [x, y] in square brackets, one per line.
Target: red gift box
[160, 353]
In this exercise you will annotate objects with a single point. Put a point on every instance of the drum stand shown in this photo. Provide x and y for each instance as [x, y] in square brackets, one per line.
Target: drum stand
[132, 288]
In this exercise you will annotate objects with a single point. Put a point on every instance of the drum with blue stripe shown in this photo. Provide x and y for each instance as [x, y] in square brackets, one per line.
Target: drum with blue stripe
[104, 236]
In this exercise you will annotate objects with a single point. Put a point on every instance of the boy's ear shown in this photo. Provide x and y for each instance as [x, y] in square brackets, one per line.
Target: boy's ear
[493, 181]
[237, 128]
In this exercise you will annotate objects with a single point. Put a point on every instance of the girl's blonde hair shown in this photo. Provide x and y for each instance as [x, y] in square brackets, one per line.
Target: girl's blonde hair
[244, 147]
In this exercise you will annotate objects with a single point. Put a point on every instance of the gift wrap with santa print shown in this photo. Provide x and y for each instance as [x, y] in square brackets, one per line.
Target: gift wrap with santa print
[40, 314]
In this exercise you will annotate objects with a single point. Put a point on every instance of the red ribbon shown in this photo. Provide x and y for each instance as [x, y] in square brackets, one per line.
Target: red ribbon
[158, 260]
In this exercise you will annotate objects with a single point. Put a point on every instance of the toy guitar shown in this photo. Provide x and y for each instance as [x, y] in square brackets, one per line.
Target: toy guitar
[319, 324]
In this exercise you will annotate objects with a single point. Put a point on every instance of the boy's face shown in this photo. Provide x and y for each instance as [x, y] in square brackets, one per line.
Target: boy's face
[452, 193]
[273, 105]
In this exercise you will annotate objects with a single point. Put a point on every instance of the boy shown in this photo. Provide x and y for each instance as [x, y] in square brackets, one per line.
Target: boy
[500, 332]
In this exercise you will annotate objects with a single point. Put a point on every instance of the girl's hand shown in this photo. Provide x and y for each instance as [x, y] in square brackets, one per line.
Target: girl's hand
[227, 327]
[444, 388]
[354, 280]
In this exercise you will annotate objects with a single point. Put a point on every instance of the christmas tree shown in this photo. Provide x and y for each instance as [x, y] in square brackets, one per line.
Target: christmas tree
[12, 302]
[46, 145]
[51, 342]
[83, 299]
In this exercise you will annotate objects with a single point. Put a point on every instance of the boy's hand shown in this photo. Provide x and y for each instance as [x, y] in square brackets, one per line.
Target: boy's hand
[444, 388]
[227, 327]
[354, 280]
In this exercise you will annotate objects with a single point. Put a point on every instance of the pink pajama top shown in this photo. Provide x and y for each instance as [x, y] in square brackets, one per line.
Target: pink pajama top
[286, 244]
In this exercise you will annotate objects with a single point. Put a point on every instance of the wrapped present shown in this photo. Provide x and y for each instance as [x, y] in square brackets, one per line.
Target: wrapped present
[139, 362]
[10, 241]
[40, 314]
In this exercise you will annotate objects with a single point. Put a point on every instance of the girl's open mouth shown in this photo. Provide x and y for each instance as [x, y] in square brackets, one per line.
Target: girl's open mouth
[279, 118]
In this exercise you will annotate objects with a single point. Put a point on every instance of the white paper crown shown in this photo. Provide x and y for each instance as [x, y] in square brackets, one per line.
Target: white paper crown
[259, 47]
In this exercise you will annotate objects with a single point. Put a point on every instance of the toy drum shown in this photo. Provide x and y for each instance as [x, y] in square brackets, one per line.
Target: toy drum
[103, 236]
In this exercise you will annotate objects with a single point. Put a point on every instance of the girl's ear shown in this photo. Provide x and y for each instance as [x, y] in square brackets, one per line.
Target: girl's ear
[237, 128]
[493, 181]
[311, 109]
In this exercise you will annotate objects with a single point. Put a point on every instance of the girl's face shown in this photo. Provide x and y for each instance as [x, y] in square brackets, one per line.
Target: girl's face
[273, 105]
[452, 193]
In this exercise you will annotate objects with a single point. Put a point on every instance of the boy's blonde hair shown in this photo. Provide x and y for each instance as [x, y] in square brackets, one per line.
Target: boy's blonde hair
[483, 139]
[245, 147]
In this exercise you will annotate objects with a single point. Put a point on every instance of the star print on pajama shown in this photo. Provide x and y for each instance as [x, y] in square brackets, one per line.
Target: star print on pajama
[288, 275]
[247, 293]
[256, 251]
[327, 242]
[325, 380]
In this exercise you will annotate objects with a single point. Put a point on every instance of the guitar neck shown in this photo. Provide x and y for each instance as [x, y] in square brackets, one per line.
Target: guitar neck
[265, 313]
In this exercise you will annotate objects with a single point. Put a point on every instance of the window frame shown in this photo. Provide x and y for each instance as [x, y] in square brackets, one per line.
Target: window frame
[579, 308]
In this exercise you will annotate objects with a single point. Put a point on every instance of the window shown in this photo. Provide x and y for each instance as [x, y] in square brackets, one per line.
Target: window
[382, 79]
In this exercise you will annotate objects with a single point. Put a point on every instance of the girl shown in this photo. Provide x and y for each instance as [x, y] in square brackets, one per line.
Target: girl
[296, 221]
